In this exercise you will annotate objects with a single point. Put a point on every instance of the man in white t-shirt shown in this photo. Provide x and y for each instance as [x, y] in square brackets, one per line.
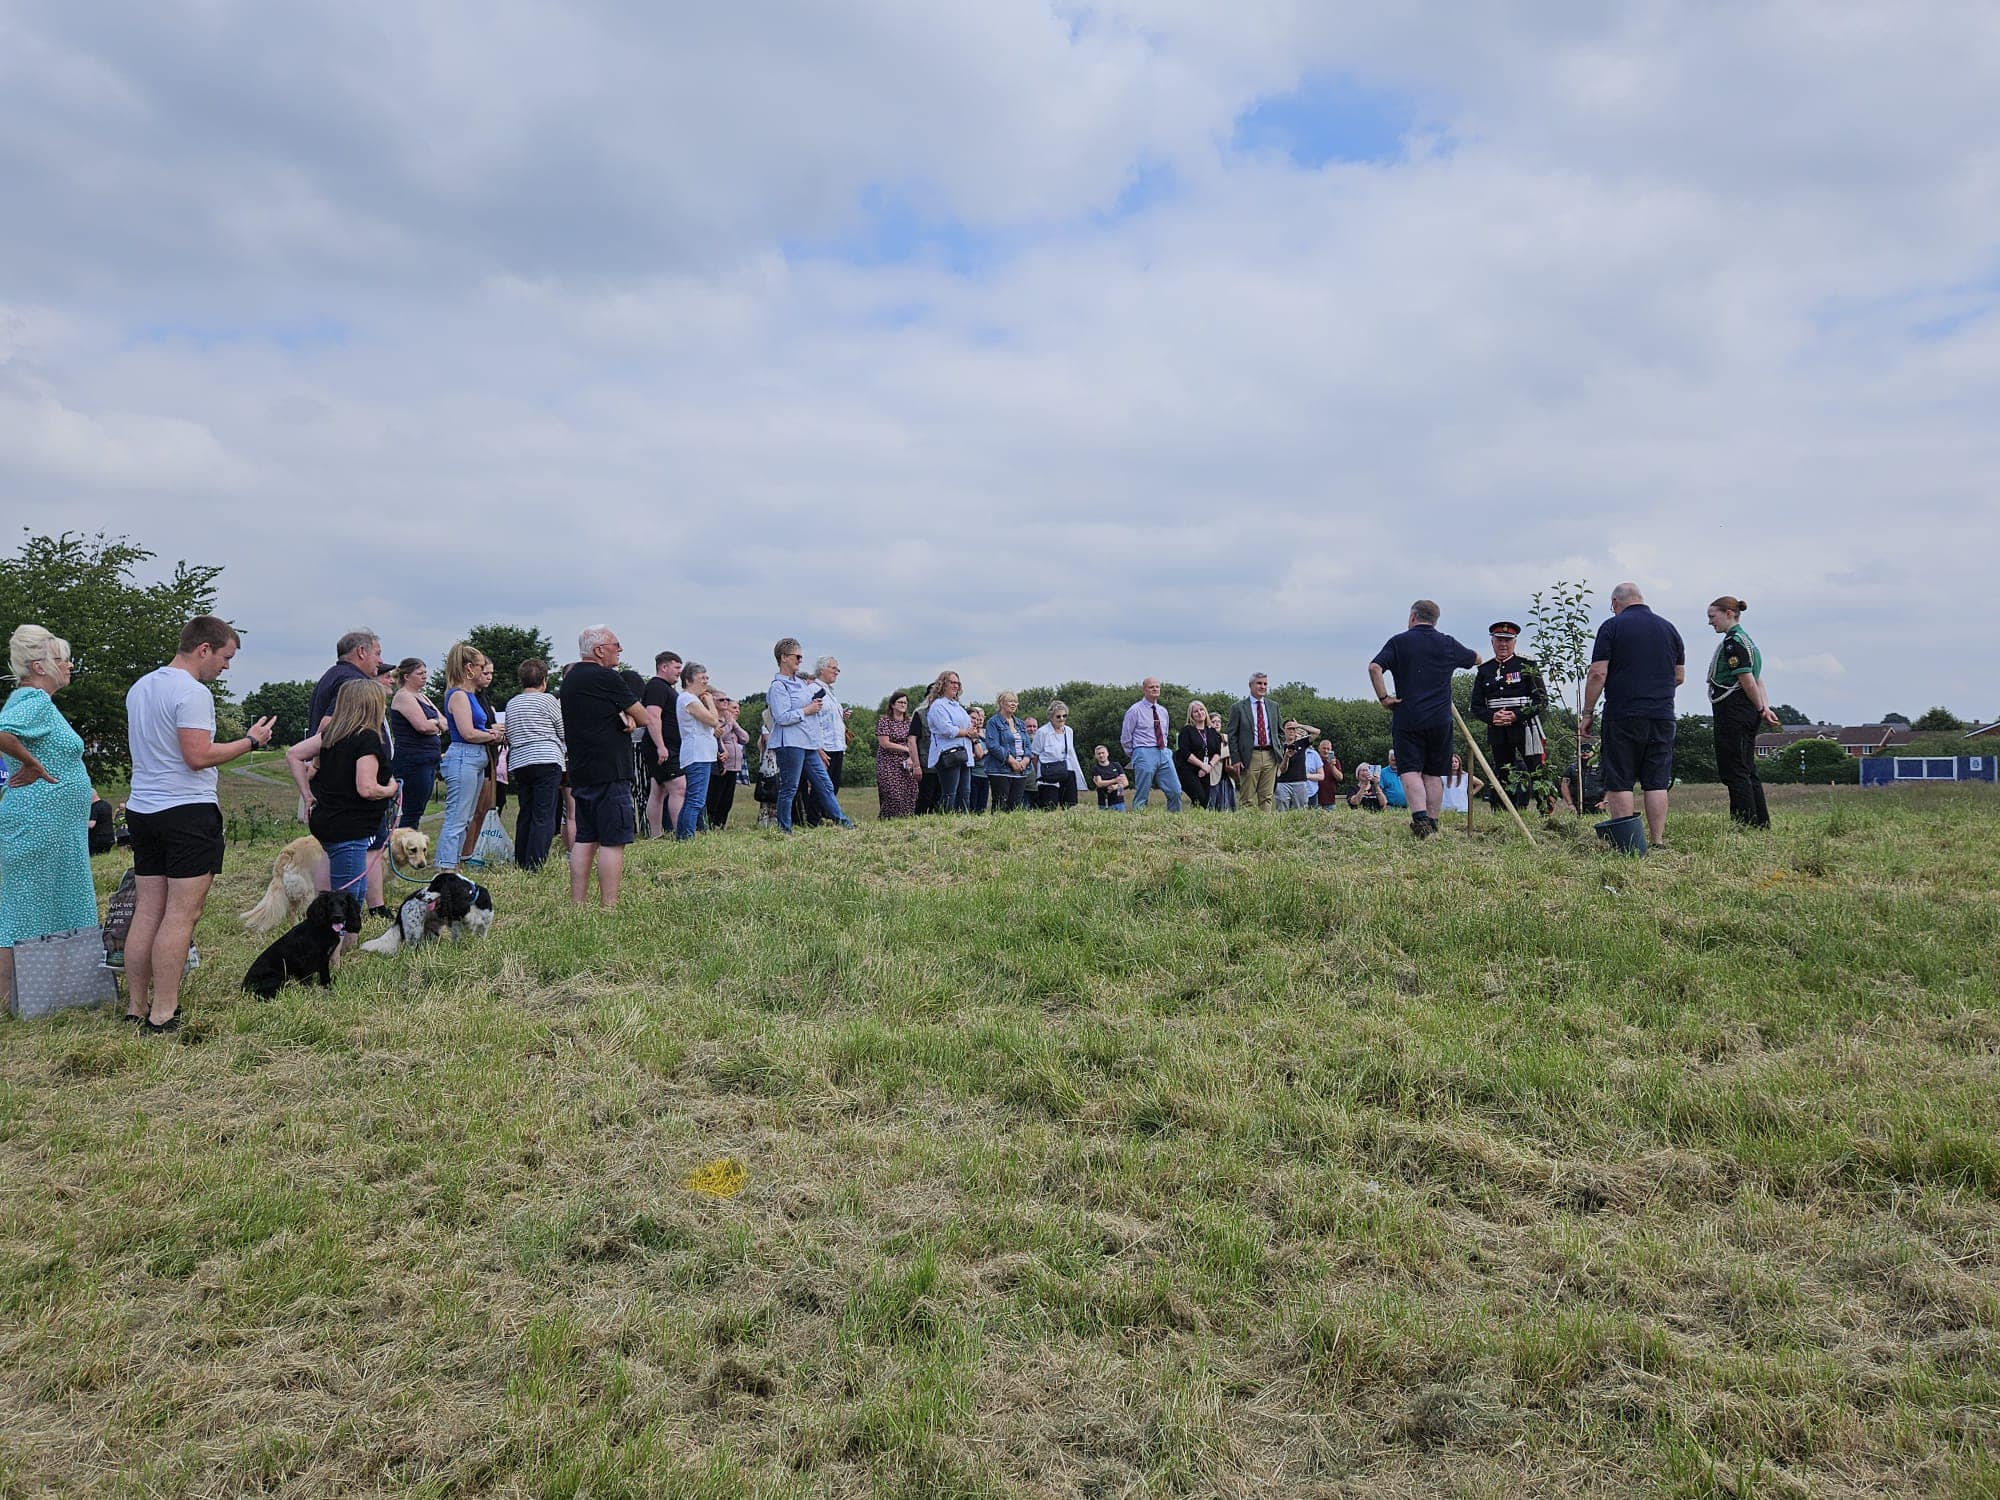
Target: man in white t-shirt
[174, 817]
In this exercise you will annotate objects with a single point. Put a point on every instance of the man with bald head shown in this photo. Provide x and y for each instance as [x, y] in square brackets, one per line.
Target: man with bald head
[1635, 665]
[1144, 736]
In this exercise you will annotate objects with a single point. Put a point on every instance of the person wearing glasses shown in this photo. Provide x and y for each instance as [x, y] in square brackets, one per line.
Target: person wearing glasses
[951, 737]
[795, 706]
[1058, 772]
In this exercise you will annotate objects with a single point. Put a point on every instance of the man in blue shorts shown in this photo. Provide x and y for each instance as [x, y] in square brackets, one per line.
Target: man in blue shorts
[1422, 659]
[1637, 662]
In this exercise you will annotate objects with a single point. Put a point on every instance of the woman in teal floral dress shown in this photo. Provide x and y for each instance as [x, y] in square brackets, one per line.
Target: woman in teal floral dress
[45, 815]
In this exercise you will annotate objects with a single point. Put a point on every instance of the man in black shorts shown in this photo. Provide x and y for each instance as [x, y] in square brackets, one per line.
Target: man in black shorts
[660, 746]
[1637, 662]
[600, 710]
[172, 812]
[1422, 659]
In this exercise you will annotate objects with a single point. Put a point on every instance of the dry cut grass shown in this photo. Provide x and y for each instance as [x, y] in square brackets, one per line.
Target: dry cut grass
[1053, 1155]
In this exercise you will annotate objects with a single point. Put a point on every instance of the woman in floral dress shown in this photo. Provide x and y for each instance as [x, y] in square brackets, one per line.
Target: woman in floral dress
[897, 773]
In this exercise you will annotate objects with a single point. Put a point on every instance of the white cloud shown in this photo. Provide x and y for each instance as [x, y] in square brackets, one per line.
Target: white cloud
[1702, 298]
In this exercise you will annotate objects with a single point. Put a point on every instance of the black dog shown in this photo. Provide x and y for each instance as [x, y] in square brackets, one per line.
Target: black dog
[306, 952]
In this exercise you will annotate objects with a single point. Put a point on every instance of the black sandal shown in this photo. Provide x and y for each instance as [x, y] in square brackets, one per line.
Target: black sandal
[161, 1028]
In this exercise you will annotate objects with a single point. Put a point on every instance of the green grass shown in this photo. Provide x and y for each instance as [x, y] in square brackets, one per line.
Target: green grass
[1085, 1155]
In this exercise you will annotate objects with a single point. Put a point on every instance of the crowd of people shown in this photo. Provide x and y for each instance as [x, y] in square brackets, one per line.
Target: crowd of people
[583, 762]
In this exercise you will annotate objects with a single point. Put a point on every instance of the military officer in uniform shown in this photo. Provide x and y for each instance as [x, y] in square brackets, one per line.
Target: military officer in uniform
[1508, 694]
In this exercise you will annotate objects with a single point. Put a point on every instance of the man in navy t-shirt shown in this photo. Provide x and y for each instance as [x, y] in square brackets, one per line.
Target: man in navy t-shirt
[1422, 659]
[1636, 663]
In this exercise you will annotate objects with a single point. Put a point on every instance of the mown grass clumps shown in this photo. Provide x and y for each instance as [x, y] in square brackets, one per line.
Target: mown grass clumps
[1076, 1156]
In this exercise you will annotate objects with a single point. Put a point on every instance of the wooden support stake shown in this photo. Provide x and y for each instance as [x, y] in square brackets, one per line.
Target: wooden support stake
[1480, 756]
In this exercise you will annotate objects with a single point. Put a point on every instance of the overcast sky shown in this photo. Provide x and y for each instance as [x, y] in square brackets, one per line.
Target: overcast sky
[1041, 341]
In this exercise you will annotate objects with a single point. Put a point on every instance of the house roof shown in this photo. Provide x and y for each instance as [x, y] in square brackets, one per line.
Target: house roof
[1979, 729]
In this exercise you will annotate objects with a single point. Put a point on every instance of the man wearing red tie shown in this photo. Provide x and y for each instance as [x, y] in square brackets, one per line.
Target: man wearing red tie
[1144, 736]
[1256, 739]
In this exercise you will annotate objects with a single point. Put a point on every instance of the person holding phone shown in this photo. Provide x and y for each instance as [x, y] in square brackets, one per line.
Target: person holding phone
[794, 705]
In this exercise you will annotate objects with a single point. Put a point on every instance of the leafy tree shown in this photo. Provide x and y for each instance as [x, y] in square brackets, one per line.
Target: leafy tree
[858, 769]
[1939, 718]
[82, 588]
[1559, 620]
[507, 646]
[1886, 718]
[287, 702]
[1789, 715]
[1694, 748]
[1941, 744]
[1813, 762]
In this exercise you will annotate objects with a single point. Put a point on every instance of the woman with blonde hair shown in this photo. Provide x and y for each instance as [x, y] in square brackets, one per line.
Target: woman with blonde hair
[1009, 753]
[951, 742]
[1194, 754]
[352, 783]
[45, 885]
[466, 760]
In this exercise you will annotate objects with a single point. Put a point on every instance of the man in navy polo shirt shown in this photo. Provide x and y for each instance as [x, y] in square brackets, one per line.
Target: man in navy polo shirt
[1635, 665]
[1422, 659]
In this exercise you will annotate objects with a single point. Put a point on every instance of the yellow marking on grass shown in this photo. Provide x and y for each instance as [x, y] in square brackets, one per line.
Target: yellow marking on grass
[719, 1179]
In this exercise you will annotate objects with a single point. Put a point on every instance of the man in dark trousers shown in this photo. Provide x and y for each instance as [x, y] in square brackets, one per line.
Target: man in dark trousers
[1508, 696]
[1256, 738]
[1635, 665]
[1422, 659]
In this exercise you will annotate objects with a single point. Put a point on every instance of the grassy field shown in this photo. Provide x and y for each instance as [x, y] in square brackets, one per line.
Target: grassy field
[1079, 1155]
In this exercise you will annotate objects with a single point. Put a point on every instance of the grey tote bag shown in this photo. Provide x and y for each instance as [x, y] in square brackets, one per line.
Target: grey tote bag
[60, 972]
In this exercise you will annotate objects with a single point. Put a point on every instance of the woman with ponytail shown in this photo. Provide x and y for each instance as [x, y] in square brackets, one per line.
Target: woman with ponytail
[1741, 707]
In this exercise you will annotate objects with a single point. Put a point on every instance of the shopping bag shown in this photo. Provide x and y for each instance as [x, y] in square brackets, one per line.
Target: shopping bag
[492, 847]
[61, 972]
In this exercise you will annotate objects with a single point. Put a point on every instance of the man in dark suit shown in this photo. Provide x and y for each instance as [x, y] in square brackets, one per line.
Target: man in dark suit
[1256, 745]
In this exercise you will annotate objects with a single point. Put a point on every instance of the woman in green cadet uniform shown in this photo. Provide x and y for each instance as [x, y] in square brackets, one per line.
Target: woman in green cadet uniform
[1736, 697]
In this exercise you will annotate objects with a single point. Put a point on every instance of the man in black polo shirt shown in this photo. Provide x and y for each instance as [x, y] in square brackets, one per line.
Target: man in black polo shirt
[600, 709]
[358, 655]
[1422, 659]
[1635, 665]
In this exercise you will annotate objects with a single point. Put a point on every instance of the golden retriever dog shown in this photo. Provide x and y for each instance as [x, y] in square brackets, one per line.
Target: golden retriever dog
[412, 848]
[296, 875]
[299, 873]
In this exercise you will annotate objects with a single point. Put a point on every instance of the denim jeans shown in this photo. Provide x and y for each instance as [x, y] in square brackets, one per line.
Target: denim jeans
[464, 767]
[539, 791]
[1149, 765]
[418, 777]
[347, 867]
[954, 788]
[794, 762]
[695, 799]
[976, 799]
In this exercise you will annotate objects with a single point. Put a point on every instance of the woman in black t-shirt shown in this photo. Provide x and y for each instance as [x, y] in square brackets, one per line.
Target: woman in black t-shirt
[352, 784]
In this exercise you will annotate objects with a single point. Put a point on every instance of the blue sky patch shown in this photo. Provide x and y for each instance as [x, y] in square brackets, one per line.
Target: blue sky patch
[295, 337]
[1328, 119]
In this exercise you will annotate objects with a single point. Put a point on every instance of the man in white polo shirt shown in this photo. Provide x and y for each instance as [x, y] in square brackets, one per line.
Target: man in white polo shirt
[173, 814]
